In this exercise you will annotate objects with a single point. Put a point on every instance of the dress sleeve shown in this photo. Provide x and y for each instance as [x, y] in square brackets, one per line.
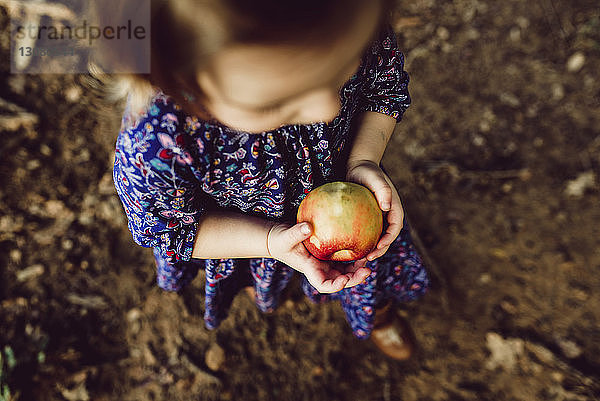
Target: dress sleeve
[157, 183]
[386, 83]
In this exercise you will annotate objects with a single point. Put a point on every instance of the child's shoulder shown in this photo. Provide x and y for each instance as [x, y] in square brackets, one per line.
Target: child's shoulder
[159, 111]
[385, 40]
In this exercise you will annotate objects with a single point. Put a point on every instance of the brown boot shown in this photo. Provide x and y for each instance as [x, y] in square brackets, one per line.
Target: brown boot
[391, 334]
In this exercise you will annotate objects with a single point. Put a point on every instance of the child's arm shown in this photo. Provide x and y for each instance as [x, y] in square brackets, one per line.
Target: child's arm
[373, 132]
[224, 235]
[385, 97]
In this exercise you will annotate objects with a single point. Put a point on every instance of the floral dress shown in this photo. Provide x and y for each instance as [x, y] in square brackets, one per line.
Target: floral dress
[170, 168]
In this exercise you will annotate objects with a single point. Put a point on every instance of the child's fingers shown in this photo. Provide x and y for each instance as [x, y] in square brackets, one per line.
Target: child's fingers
[378, 253]
[381, 189]
[395, 219]
[393, 230]
[356, 272]
[360, 263]
[326, 280]
[282, 238]
[385, 241]
[299, 233]
[358, 277]
[383, 194]
[328, 286]
[374, 179]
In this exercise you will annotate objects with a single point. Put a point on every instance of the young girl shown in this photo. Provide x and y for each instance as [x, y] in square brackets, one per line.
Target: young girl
[249, 106]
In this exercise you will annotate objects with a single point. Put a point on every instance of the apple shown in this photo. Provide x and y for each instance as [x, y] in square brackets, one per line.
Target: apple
[346, 220]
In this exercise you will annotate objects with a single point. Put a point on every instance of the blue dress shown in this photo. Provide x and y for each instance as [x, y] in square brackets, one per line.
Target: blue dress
[171, 167]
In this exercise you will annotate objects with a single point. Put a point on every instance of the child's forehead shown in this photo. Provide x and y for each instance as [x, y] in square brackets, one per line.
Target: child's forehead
[254, 73]
[255, 67]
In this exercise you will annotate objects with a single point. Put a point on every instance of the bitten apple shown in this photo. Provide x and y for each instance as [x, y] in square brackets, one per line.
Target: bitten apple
[346, 220]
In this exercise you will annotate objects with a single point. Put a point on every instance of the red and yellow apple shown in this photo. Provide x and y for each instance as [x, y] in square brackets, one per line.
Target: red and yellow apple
[346, 220]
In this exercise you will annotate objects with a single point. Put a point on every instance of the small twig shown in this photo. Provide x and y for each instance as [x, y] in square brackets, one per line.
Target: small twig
[497, 174]
[87, 301]
[551, 24]
[434, 166]
[407, 22]
[387, 391]
[9, 106]
[17, 118]
[547, 357]
[14, 122]
[557, 16]
[430, 265]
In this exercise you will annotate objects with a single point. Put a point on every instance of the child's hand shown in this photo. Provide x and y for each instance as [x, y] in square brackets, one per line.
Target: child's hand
[369, 174]
[285, 245]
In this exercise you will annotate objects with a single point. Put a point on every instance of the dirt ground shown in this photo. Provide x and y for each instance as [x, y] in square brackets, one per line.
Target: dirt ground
[497, 162]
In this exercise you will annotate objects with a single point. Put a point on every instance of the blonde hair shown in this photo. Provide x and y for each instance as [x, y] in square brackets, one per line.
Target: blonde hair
[184, 33]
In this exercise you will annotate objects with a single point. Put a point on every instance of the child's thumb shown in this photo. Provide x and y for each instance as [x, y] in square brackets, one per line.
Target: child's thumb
[300, 232]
